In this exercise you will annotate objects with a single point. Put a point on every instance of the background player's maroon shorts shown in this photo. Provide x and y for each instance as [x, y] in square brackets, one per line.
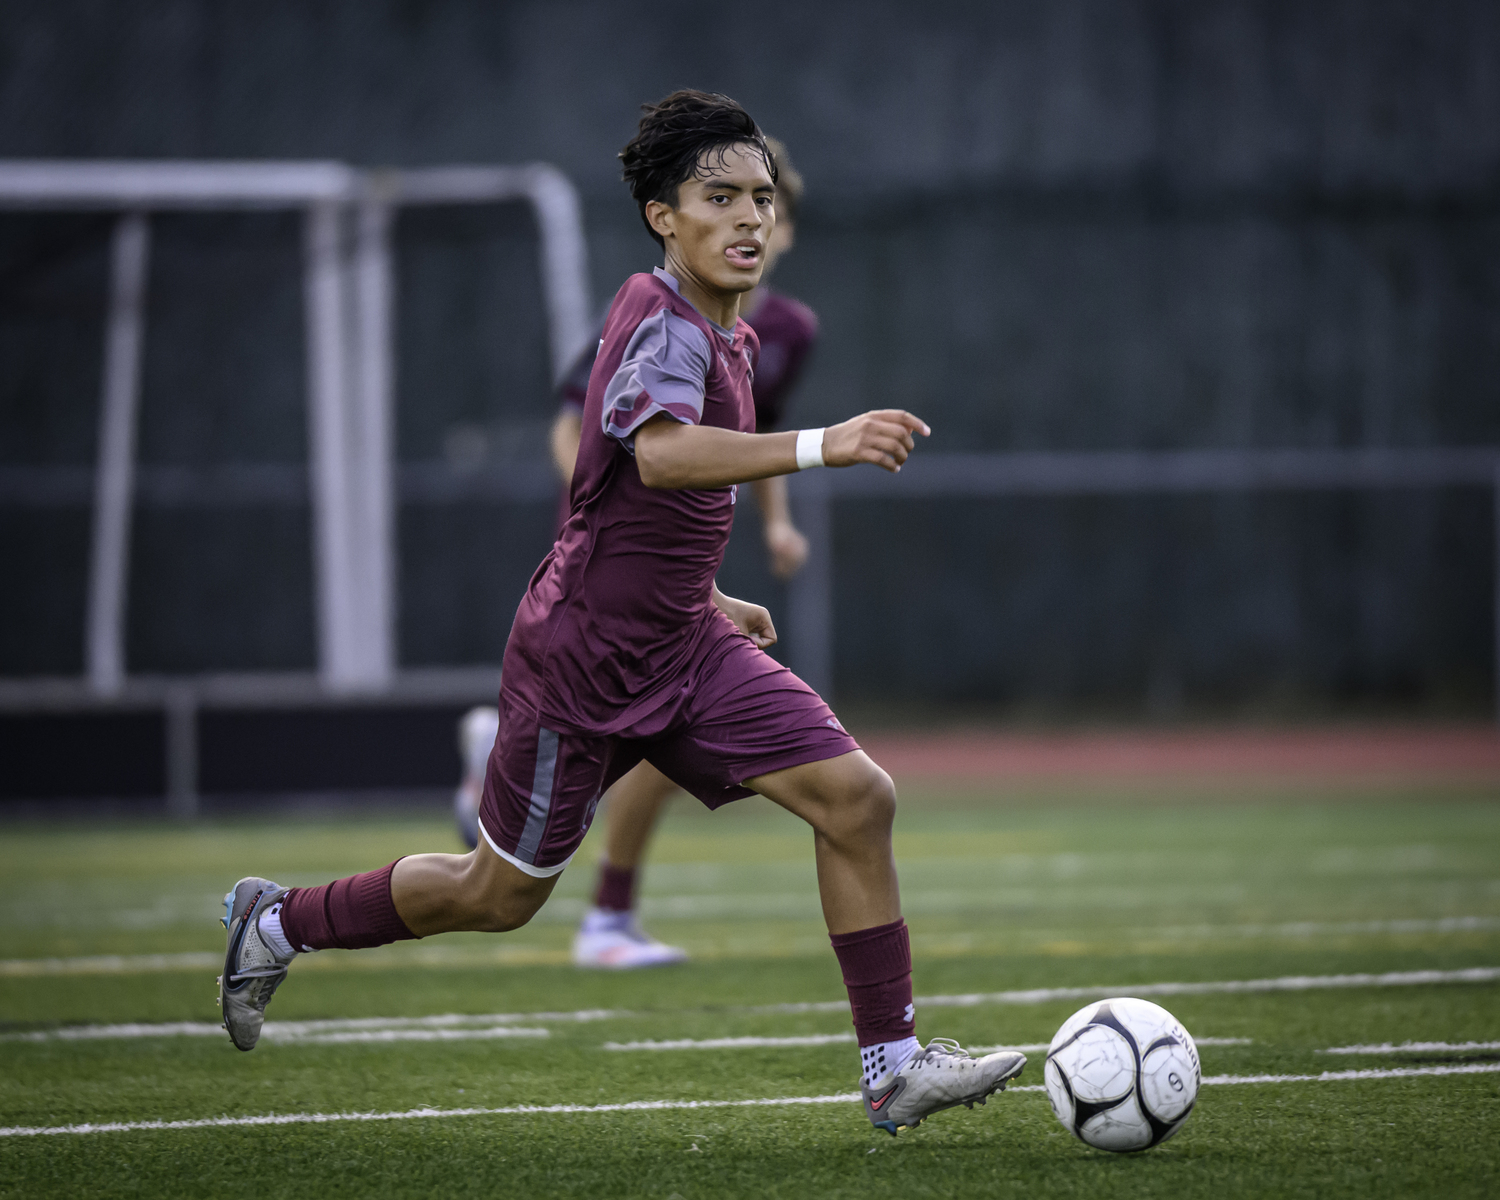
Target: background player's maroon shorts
[739, 715]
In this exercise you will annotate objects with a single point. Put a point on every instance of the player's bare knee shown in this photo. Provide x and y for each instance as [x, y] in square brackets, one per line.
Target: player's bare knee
[877, 803]
[864, 809]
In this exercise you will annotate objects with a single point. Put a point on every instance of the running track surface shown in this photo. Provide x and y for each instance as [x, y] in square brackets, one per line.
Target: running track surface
[1355, 755]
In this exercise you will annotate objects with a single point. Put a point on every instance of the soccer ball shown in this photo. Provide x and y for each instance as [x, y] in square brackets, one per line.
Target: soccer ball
[1122, 1074]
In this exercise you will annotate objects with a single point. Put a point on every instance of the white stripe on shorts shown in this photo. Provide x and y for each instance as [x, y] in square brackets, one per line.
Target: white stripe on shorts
[525, 867]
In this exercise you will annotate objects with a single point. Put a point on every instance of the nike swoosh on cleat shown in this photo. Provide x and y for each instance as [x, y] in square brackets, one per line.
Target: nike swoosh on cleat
[876, 1105]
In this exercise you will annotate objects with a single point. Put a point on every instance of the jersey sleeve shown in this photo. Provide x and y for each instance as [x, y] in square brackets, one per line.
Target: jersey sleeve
[665, 370]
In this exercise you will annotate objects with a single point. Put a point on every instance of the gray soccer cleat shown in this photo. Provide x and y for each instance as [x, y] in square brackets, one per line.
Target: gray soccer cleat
[252, 970]
[942, 1075]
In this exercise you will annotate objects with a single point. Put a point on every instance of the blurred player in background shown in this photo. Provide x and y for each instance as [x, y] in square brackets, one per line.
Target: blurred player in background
[625, 649]
[610, 935]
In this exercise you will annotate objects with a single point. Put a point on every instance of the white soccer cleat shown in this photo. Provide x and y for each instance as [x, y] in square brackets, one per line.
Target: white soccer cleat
[942, 1075]
[476, 738]
[617, 942]
[252, 970]
[466, 810]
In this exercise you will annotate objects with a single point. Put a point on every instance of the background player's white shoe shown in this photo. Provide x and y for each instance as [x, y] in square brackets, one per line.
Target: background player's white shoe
[476, 738]
[942, 1075]
[252, 969]
[616, 940]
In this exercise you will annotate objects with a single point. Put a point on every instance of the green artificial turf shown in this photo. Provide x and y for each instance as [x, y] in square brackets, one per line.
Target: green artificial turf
[1078, 891]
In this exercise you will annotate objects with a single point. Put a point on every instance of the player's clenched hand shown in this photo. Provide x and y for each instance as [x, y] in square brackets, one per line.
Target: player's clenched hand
[787, 547]
[883, 437]
[750, 619]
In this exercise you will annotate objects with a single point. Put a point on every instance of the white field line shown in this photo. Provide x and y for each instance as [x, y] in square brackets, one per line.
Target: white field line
[417, 1035]
[1347, 1076]
[292, 1029]
[114, 964]
[840, 1038]
[654, 1105]
[350, 1029]
[829, 1039]
[279, 1033]
[89, 1033]
[1296, 929]
[736, 1043]
[422, 1113]
[1411, 1047]
[1284, 983]
[1040, 1047]
[111, 964]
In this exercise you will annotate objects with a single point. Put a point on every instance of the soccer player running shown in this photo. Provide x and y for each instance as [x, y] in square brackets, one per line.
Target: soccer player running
[624, 649]
[610, 935]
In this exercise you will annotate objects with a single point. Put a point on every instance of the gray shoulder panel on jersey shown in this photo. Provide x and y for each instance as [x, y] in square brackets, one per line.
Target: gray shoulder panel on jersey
[665, 370]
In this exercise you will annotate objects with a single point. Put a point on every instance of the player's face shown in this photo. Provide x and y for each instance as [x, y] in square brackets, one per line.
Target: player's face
[723, 221]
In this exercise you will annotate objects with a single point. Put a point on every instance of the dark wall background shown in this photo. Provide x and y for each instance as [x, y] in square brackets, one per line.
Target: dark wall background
[1085, 224]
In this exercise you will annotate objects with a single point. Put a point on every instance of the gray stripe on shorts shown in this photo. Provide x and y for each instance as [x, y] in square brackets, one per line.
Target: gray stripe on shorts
[541, 797]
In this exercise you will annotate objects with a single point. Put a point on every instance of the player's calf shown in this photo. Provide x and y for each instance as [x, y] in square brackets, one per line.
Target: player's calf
[480, 891]
[858, 810]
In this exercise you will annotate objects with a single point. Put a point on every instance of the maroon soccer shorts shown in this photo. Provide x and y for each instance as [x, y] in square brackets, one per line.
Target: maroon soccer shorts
[739, 715]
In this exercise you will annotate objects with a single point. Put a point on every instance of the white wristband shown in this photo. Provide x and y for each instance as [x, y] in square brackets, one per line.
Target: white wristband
[809, 448]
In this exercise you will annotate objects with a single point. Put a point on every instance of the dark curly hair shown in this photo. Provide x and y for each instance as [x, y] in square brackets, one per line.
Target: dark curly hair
[674, 136]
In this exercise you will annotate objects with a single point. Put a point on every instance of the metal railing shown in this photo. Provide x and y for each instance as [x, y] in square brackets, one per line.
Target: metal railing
[348, 285]
[1104, 473]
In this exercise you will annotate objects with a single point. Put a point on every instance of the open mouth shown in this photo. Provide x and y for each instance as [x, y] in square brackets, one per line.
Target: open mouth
[743, 254]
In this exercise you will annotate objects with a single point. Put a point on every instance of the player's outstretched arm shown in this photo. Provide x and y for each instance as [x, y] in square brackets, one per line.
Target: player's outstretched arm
[670, 454]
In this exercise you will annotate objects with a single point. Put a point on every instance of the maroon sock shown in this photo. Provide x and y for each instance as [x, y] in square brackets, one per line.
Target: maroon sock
[616, 887]
[877, 971]
[351, 914]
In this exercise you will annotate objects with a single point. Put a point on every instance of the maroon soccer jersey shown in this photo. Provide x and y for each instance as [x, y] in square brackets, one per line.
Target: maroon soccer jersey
[610, 624]
[786, 329]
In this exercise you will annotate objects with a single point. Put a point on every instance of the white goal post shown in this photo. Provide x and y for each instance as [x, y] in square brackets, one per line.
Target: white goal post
[348, 284]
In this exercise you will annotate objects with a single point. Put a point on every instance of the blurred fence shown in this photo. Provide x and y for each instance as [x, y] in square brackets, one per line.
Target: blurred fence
[182, 701]
[361, 498]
